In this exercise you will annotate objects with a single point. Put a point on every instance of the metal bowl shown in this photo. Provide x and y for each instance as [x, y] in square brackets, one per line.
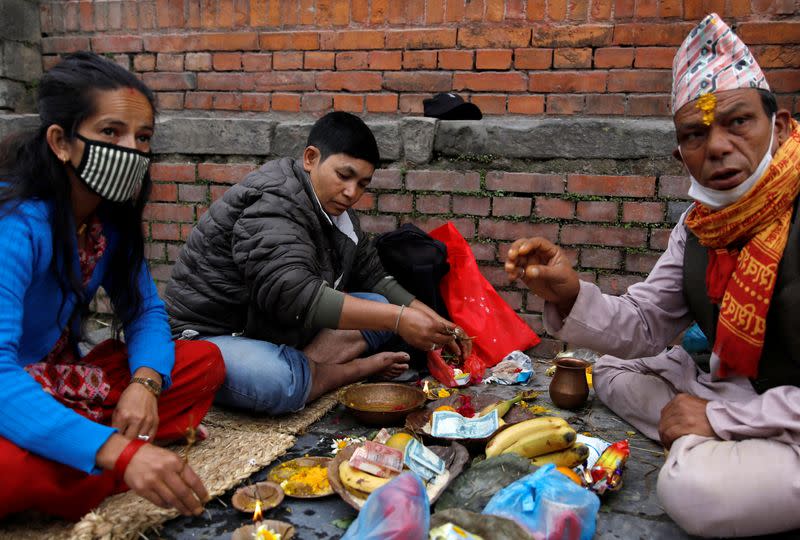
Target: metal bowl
[382, 404]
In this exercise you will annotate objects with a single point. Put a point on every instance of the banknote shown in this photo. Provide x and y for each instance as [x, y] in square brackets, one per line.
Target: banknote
[377, 459]
[451, 425]
[422, 461]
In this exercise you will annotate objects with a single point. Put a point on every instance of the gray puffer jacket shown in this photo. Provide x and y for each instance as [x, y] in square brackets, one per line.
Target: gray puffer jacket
[266, 261]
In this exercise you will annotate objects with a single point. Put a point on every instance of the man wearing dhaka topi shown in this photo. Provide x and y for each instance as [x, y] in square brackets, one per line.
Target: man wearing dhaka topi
[732, 422]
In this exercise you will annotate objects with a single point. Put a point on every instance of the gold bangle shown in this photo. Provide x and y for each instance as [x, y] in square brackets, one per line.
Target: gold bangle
[148, 383]
[397, 324]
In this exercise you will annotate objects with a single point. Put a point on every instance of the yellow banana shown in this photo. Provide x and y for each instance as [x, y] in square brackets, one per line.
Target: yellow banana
[514, 433]
[359, 480]
[569, 457]
[543, 441]
[504, 406]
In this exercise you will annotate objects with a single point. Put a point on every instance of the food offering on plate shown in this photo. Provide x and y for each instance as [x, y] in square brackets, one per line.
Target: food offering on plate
[263, 495]
[358, 470]
[547, 439]
[606, 473]
[304, 477]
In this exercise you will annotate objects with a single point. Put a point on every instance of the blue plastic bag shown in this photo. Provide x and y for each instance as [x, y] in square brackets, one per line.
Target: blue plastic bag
[548, 505]
[399, 510]
[695, 341]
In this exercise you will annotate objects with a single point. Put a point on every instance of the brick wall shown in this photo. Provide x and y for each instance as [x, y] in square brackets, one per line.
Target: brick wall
[528, 57]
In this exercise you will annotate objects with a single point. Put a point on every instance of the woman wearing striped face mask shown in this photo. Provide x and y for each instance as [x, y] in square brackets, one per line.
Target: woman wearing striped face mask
[74, 429]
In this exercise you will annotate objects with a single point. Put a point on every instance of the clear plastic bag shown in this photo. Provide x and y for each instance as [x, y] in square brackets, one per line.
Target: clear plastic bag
[548, 505]
[399, 510]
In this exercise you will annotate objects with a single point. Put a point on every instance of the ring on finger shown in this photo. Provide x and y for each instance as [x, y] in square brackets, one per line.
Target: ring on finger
[143, 437]
[433, 346]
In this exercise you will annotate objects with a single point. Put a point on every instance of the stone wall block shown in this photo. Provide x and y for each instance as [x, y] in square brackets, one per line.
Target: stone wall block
[22, 62]
[19, 20]
[418, 136]
[217, 135]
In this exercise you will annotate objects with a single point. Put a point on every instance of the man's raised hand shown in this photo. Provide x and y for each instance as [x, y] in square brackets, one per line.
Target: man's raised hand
[545, 270]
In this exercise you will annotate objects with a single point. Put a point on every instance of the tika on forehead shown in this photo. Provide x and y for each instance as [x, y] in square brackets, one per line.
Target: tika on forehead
[712, 59]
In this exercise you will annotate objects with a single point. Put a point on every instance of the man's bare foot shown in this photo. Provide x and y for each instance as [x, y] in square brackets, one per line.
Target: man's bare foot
[327, 377]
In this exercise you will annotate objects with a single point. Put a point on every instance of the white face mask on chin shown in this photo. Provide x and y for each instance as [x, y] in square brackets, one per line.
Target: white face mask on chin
[718, 199]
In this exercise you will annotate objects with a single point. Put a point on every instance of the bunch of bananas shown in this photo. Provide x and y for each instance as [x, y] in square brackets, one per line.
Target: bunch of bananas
[543, 440]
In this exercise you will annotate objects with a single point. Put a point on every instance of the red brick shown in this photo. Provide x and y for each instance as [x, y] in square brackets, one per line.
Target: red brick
[487, 82]
[597, 211]
[511, 206]
[420, 81]
[455, 59]
[774, 32]
[495, 10]
[166, 101]
[397, 203]
[351, 61]
[378, 224]
[493, 37]
[473, 11]
[472, 206]
[396, 12]
[670, 8]
[454, 11]
[287, 60]
[227, 173]
[652, 33]
[197, 62]
[655, 57]
[557, 10]
[169, 62]
[86, 14]
[641, 262]
[605, 104]
[296, 81]
[603, 236]
[784, 80]
[385, 60]
[164, 192]
[659, 238]
[186, 228]
[490, 103]
[386, 179]
[348, 102]
[411, 103]
[533, 58]
[435, 12]
[227, 61]
[740, 8]
[512, 230]
[600, 10]
[360, 11]
[586, 35]
[624, 186]
[198, 100]
[168, 212]
[227, 101]
[429, 38]
[351, 81]
[155, 251]
[512, 298]
[525, 182]
[776, 56]
[499, 59]
[316, 102]
[600, 258]
[564, 104]
[224, 81]
[145, 62]
[298, 41]
[116, 44]
[617, 284]
[780, 7]
[346, 40]
[547, 207]
[614, 57]
[465, 226]
[657, 105]
[571, 58]
[646, 10]
[365, 203]
[624, 8]
[442, 181]
[255, 102]
[640, 80]
[192, 192]
[319, 60]
[382, 102]
[419, 60]
[257, 61]
[536, 10]
[484, 252]
[433, 204]
[567, 81]
[286, 102]
[643, 212]
[673, 187]
[165, 231]
[63, 44]
[378, 11]
[526, 104]
[170, 81]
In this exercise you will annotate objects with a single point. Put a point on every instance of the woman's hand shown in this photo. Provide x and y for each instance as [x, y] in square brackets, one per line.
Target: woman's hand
[164, 479]
[137, 410]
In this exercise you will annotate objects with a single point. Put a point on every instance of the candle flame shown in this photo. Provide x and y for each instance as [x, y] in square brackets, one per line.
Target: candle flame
[257, 513]
[425, 387]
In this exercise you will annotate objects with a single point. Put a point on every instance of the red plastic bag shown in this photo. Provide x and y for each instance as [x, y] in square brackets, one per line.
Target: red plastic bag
[476, 307]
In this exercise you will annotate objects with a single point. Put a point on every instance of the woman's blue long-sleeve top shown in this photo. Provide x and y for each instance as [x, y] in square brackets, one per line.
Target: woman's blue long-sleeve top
[30, 325]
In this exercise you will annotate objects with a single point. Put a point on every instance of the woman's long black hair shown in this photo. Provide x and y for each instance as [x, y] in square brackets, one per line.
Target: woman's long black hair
[30, 170]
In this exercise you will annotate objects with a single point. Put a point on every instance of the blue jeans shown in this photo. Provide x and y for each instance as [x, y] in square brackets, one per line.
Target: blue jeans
[264, 377]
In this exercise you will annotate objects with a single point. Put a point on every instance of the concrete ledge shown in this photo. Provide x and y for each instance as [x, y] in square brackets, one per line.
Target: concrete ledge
[412, 139]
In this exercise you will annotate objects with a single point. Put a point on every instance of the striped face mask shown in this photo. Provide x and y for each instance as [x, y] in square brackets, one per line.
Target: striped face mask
[113, 172]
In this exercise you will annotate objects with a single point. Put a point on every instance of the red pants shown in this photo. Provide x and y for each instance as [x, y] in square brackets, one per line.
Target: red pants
[30, 482]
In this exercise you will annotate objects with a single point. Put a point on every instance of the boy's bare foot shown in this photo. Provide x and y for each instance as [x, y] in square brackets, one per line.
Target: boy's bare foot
[327, 377]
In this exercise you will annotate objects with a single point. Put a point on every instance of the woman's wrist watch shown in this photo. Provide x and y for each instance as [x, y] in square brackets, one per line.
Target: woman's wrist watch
[148, 383]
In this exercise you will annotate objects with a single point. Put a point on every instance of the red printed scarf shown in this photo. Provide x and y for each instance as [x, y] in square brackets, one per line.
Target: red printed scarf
[741, 282]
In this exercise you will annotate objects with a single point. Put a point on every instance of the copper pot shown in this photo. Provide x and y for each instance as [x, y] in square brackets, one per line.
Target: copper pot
[569, 388]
